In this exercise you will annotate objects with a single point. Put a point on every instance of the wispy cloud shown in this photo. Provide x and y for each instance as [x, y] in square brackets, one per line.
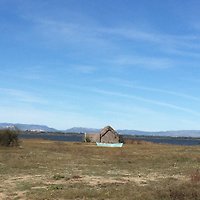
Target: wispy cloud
[138, 98]
[85, 69]
[127, 109]
[31, 72]
[153, 36]
[177, 94]
[63, 32]
[135, 85]
[21, 96]
[87, 33]
[131, 33]
[143, 62]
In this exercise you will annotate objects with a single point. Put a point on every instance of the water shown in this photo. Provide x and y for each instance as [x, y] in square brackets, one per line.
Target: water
[66, 137]
[80, 138]
[175, 141]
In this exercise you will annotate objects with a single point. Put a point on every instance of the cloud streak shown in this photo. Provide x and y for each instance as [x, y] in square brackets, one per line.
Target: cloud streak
[21, 96]
[136, 85]
[129, 84]
[165, 41]
[144, 62]
[85, 69]
[146, 100]
[92, 37]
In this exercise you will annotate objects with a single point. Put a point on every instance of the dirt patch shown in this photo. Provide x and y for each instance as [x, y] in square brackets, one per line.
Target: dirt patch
[10, 196]
[36, 182]
[2, 195]
[96, 180]
[21, 195]
[140, 180]
[10, 190]
[38, 187]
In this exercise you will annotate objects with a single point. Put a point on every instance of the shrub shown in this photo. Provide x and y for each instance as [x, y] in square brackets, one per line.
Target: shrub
[87, 139]
[58, 176]
[9, 138]
[121, 139]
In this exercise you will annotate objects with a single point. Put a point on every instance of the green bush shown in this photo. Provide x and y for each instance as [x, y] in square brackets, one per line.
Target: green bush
[9, 138]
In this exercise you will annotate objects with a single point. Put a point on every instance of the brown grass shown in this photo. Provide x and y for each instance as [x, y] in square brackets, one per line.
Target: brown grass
[195, 176]
[44, 169]
[135, 141]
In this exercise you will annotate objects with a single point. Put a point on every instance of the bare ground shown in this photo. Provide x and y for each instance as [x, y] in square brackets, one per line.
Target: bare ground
[11, 183]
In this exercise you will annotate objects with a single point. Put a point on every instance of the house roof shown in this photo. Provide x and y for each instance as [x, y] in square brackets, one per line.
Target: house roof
[107, 129]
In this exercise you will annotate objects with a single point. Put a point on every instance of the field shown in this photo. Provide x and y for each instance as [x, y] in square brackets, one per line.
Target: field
[41, 169]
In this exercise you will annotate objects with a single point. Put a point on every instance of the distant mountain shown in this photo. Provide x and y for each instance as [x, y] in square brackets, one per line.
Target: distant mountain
[82, 130]
[27, 127]
[7, 126]
[179, 133]
[43, 128]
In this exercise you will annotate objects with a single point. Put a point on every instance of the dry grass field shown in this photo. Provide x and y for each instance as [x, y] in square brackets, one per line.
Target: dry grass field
[42, 169]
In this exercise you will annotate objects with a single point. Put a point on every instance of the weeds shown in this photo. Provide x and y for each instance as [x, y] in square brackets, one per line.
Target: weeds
[58, 177]
[55, 187]
[9, 138]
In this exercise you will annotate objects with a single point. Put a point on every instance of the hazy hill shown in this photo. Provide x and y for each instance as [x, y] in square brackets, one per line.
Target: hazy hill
[43, 128]
[27, 127]
[178, 133]
[82, 130]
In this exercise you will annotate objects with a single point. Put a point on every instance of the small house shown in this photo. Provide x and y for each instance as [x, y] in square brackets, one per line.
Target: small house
[106, 135]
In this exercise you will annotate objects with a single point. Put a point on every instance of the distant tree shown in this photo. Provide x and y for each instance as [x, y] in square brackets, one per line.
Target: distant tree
[121, 139]
[87, 139]
[9, 137]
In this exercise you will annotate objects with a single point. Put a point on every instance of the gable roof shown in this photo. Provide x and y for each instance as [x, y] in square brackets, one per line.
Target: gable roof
[107, 129]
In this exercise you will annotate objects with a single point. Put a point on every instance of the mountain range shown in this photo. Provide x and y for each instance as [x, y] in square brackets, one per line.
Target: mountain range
[27, 127]
[43, 128]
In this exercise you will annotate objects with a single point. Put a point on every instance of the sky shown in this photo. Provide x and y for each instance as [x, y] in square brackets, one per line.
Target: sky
[91, 63]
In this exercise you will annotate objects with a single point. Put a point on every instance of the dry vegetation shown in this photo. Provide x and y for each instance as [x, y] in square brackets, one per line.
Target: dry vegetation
[9, 138]
[42, 169]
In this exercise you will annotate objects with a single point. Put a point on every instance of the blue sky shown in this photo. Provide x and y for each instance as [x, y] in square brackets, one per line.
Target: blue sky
[130, 64]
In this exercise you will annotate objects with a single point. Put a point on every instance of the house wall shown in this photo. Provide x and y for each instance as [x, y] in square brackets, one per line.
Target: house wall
[110, 137]
[94, 137]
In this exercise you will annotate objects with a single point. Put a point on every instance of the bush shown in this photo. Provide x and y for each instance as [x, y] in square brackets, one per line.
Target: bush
[9, 138]
[87, 139]
[58, 177]
[121, 139]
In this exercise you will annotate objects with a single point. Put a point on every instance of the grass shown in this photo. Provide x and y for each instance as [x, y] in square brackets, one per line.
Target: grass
[43, 169]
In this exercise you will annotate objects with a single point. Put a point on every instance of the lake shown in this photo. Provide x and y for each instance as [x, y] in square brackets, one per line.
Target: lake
[172, 140]
[80, 138]
[58, 137]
